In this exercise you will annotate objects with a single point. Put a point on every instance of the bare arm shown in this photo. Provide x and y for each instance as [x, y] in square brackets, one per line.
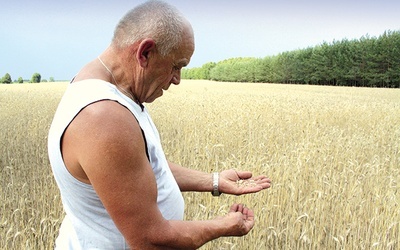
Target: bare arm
[193, 180]
[104, 146]
[190, 179]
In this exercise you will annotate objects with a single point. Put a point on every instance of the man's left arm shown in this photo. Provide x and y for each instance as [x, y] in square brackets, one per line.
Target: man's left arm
[230, 181]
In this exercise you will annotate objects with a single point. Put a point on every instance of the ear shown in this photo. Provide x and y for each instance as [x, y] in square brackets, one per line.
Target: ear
[145, 48]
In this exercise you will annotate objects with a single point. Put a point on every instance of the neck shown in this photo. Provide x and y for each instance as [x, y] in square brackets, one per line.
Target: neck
[115, 82]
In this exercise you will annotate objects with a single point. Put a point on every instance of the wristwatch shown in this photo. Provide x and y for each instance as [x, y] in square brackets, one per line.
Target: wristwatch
[215, 191]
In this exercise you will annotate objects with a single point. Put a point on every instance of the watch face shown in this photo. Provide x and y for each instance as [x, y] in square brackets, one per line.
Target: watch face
[216, 193]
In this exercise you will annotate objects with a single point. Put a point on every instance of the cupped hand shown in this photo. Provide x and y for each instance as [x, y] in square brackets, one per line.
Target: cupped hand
[241, 182]
[241, 218]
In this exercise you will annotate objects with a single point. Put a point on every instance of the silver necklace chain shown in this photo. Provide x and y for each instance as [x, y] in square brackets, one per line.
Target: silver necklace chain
[130, 95]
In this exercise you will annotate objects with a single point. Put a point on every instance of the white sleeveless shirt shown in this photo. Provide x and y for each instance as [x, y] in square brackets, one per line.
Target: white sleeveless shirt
[87, 224]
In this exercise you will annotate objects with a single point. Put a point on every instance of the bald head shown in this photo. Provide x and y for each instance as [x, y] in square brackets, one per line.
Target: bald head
[153, 19]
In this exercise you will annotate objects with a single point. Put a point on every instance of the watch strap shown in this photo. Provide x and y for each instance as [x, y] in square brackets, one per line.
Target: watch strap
[215, 191]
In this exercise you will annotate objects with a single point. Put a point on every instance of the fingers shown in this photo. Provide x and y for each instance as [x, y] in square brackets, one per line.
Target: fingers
[261, 179]
[244, 210]
[237, 208]
[252, 186]
[264, 182]
[241, 208]
[248, 213]
[234, 208]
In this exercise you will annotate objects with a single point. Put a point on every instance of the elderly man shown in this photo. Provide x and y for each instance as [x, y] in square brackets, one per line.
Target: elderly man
[118, 189]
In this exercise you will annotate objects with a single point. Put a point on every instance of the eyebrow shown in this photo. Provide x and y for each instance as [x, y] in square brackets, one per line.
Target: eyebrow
[183, 62]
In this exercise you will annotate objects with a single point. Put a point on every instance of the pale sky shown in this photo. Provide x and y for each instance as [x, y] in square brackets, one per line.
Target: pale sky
[56, 38]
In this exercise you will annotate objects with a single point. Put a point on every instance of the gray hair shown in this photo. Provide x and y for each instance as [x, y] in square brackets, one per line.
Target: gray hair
[153, 19]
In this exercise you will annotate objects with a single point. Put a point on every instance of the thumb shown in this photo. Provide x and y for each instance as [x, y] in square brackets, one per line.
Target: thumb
[244, 174]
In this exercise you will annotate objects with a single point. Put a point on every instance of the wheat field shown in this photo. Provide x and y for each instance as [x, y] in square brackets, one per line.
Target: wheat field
[332, 153]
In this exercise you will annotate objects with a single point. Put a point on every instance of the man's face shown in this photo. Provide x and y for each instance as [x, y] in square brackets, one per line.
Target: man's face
[164, 71]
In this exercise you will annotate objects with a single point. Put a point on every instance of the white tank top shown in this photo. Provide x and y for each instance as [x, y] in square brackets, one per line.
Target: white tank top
[87, 224]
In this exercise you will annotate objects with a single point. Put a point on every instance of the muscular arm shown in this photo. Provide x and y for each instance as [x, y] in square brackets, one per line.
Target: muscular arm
[104, 146]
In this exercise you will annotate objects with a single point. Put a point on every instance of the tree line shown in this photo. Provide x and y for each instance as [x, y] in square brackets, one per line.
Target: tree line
[368, 62]
[36, 78]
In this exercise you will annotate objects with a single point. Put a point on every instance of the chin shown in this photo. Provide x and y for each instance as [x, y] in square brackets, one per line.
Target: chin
[152, 99]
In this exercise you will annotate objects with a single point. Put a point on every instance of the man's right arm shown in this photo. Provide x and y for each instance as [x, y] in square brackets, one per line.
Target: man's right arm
[106, 142]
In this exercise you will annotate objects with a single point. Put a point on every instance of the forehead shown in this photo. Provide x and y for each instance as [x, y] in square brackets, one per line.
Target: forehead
[185, 50]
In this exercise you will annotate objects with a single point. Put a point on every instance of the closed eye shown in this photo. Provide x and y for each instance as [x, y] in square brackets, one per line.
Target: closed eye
[178, 66]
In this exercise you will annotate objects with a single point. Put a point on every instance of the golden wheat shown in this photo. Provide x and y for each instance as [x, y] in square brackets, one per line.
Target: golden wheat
[332, 153]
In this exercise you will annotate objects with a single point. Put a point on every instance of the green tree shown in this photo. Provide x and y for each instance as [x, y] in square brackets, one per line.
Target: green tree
[20, 80]
[206, 68]
[368, 62]
[51, 79]
[36, 78]
[6, 79]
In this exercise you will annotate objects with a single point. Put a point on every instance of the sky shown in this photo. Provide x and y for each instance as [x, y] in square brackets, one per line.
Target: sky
[57, 38]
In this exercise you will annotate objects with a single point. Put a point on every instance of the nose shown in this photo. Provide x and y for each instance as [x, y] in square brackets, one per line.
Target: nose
[176, 77]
